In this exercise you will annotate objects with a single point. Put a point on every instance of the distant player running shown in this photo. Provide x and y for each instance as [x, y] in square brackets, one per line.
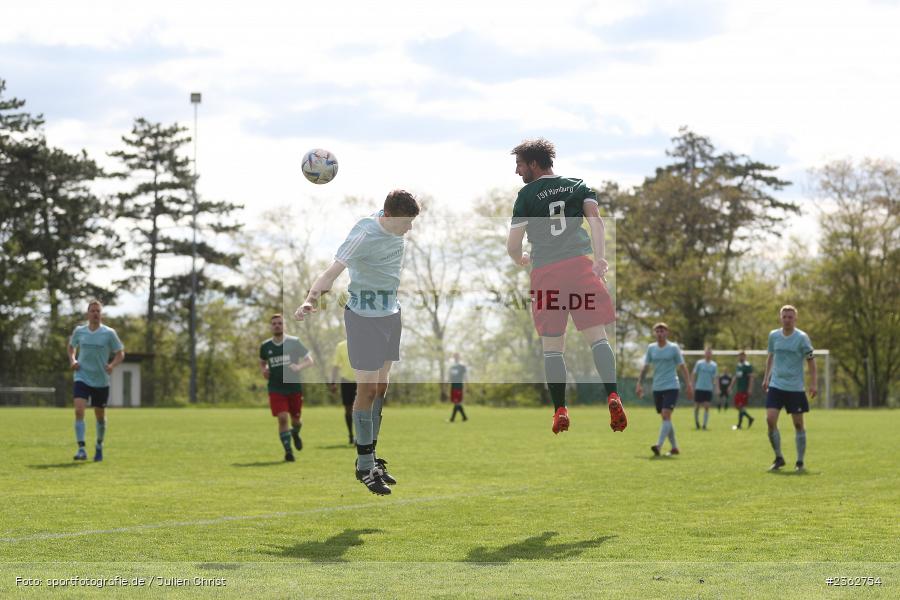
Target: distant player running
[783, 382]
[564, 281]
[285, 389]
[704, 377]
[341, 369]
[373, 253]
[744, 381]
[665, 357]
[89, 349]
[458, 373]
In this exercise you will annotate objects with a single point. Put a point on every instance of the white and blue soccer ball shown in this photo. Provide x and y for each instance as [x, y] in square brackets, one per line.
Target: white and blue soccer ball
[319, 166]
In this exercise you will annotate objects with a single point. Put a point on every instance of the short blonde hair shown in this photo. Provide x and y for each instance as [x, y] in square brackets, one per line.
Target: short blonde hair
[94, 301]
[789, 307]
[660, 324]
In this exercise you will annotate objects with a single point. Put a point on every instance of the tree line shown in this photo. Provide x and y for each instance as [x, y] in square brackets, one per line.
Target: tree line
[694, 246]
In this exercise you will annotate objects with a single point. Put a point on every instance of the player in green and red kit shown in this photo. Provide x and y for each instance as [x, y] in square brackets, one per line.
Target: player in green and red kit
[743, 379]
[458, 375]
[564, 280]
[285, 390]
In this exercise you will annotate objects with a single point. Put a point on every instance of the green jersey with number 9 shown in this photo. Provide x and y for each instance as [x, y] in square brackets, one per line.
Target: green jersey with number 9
[551, 208]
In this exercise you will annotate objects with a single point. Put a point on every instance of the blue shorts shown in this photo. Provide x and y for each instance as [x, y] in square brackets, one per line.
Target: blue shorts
[702, 396]
[665, 399]
[97, 396]
[793, 402]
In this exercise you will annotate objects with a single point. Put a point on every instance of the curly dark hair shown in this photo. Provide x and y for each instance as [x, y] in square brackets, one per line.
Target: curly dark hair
[400, 203]
[540, 150]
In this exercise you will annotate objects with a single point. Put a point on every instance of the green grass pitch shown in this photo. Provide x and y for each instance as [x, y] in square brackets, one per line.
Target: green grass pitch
[497, 507]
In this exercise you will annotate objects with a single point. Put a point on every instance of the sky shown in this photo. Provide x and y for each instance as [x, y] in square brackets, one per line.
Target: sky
[432, 96]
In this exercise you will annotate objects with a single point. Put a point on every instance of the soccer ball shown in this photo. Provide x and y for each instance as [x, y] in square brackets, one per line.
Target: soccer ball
[319, 166]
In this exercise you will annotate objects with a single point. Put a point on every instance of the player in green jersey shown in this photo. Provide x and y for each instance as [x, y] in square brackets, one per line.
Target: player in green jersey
[285, 390]
[564, 281]
[743, 380]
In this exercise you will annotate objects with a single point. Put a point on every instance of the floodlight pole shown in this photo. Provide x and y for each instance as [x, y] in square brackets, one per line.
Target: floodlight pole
[195, 100]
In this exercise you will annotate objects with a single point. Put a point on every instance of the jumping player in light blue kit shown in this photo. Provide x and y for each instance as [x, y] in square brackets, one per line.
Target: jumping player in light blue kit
[783, 383]
[373, 253]
[666, 358]
[705, 372]
[89, 350]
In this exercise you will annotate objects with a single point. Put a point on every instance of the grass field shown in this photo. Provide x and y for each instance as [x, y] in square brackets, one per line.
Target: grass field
[495, 507]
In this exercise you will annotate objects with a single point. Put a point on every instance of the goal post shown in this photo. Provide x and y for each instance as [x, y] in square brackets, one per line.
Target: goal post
[758, 359]
[27, 396]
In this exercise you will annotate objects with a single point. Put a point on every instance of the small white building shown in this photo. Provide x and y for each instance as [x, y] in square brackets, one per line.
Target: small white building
[125, 382]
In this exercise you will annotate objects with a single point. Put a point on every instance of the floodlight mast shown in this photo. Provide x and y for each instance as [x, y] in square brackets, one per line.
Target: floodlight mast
[195, 100]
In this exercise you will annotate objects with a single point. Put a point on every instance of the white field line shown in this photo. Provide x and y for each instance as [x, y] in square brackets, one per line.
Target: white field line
[239, 518]
[228, 519]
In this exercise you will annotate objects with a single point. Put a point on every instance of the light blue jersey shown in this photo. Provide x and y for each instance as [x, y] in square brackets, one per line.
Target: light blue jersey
[664, 361]
[94, 349]
[706, 374]
[374, 257]
[790, 352]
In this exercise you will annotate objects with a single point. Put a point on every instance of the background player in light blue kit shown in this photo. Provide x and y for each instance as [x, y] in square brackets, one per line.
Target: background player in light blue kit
[89, 349]
[705, 372]
[665, 357]
[783, 383]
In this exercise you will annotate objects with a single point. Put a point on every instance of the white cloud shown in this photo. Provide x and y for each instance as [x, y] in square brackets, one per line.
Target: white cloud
[807, 80]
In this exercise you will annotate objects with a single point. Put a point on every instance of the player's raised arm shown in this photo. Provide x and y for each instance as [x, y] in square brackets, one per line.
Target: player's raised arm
[598, 237]
[321, 285]
[514, 247]
[304, 363]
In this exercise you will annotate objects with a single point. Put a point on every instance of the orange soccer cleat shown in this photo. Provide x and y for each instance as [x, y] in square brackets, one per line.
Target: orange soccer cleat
[617, 419]
[561, 420]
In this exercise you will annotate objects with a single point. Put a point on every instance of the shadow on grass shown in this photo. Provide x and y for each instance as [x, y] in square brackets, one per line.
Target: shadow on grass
[270, 463]
[535, 548]
[65, 465]
[793, 473]
[330, 550]
[337, 447]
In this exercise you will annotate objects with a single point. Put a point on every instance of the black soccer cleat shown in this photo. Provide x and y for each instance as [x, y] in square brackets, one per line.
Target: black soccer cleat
[380, 463]
[779, 462]
[289, 457]
[372, 480]
[655, 450]
[80, 455]
[298, 443]
[799, 467]
[750, 424]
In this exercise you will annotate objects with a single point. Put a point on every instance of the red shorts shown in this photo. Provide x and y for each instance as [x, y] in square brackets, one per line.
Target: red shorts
[289, 403]
[456, 395]
[740, 399]
[569, 287]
